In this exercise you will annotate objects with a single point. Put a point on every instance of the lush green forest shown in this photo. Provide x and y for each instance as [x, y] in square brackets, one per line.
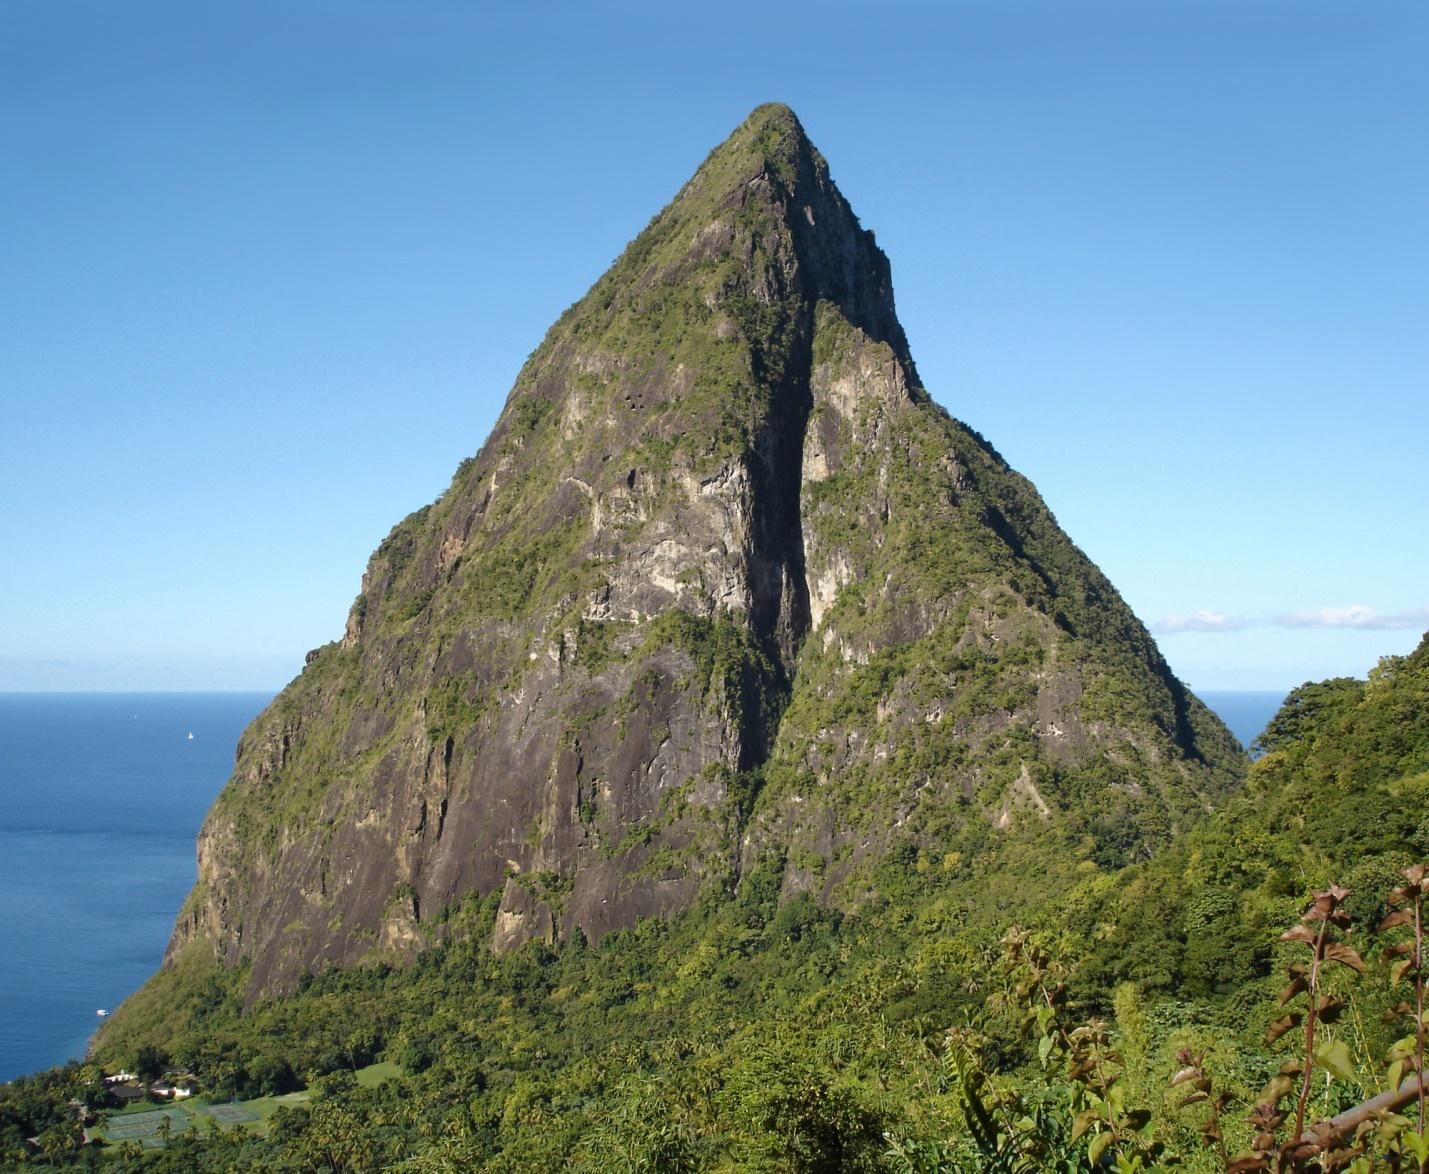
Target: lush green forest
[1009, 1004]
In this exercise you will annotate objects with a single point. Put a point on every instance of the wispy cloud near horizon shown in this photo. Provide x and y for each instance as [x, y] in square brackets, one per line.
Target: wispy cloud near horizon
[1200, 621]
[1355, 616]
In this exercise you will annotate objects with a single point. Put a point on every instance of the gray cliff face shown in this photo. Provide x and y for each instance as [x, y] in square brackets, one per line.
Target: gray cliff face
[723, 582]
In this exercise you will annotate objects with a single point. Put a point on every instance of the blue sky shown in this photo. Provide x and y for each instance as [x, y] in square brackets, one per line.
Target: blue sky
[271, 269]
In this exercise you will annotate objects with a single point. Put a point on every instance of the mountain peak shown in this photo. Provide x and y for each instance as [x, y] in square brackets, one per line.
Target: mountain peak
[774, 114]
[774, 132]
[763, 209]
[722, 591]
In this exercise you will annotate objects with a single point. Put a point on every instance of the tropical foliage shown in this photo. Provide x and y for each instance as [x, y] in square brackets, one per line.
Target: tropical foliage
[1212, 1007]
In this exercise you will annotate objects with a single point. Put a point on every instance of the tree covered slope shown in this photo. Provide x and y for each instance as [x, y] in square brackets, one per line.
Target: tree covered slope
[725, 593]
[750, 1033]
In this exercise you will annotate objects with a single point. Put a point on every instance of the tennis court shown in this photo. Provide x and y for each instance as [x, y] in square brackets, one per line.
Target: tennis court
[234, 1114]
[145, 1127]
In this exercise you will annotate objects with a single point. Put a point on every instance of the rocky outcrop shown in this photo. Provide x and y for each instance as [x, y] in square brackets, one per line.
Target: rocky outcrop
[723, 582]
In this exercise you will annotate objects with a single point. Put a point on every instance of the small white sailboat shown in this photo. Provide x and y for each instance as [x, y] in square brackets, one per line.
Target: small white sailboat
[191, 736]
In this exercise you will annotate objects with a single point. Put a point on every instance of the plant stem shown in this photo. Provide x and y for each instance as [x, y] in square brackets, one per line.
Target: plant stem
[1220, 1136]
[1103, 1089]
[1419, 1003]
[1310, 1030]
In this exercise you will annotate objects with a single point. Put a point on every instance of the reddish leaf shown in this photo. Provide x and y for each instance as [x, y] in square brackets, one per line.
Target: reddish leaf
[1398, 917]
[1280, 1026]
[1084, 1121]
[1279, 1086]
[1345, 956]
[1298, 1151]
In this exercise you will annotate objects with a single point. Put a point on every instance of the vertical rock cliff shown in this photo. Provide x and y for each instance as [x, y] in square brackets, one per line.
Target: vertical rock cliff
[724, 585]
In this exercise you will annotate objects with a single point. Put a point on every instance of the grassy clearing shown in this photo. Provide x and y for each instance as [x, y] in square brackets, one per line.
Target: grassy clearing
[143, 1123]
[375, 1074]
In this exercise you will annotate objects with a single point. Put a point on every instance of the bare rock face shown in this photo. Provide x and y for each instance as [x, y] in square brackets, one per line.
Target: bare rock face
[723, 582]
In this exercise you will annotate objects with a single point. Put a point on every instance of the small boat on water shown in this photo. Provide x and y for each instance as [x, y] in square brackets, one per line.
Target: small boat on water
[101, 1012]
[191, 736]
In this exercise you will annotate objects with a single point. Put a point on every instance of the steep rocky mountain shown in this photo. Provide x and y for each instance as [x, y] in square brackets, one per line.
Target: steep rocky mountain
[723, 587]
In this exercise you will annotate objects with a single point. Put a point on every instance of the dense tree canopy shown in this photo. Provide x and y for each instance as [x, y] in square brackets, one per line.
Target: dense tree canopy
[761, 1031]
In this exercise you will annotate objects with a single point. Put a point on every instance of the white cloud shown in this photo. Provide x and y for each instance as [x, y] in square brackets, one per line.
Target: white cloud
[1356, 615]
[1200, 621]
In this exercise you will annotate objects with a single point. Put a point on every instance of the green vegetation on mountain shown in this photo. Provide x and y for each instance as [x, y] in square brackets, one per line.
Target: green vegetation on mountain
[730, 768]
[724, 593]
[753, 1034]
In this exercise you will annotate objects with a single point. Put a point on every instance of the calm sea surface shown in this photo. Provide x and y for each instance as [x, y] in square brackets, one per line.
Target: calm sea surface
[101, 797]
[1246, 714]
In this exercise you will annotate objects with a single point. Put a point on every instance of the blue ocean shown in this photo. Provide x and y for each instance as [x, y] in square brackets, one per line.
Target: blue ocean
[1245, 714]
[101, 797]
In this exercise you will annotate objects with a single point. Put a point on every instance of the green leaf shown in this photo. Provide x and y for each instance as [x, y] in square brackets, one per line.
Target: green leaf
[1417, 1144]
[1097, 1146]
[1116, 1098]
[1334, 1057]
[1044, 1048]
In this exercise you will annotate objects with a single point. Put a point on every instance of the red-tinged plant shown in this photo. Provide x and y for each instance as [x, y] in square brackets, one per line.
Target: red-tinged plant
[1406, 961]
[1193, 1072]
[1319, 928]
[1115, 1134]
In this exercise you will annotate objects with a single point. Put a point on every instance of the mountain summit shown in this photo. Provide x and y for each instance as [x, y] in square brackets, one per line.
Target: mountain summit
[723, 592]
